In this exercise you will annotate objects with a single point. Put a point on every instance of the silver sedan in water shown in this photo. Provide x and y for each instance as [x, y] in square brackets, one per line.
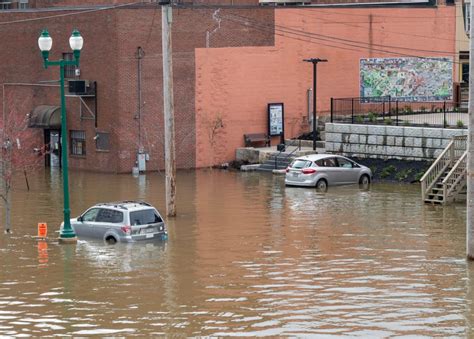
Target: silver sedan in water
[323, 170]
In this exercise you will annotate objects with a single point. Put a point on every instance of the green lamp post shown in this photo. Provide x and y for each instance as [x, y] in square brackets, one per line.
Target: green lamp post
[45, 43]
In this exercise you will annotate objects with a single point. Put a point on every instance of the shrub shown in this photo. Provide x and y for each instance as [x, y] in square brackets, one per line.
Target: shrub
[359, 119]
[403, 174]
[388, 121]
[419, 175]
[387, 171]
[372, 116]
[460, 124]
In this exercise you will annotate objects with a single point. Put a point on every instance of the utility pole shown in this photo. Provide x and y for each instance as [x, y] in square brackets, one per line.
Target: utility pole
[168, 103]
[470, 148]
[315, 61]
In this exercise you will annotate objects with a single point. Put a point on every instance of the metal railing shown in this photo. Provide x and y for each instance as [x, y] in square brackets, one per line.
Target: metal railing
[454, 179]
[450, 155]
[387, 111]
[292, 143]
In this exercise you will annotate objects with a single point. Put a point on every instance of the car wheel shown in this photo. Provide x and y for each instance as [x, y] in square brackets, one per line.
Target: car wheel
[322, 185]
[364, 179]
[111, 240]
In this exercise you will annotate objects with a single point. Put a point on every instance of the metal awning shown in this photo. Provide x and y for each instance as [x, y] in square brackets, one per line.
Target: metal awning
[44, 116]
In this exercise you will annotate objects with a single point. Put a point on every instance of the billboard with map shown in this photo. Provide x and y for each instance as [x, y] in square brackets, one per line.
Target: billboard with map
[407, 79]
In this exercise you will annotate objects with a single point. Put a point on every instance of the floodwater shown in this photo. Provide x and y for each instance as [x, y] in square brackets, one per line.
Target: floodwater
[245, 257]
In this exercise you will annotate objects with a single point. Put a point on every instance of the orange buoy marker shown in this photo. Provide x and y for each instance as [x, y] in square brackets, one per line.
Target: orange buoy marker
[42, 230]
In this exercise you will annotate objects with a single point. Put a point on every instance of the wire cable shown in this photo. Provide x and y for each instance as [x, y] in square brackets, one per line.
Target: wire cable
[329, 21]
[353, 47]
[326, 37]
[78, 12]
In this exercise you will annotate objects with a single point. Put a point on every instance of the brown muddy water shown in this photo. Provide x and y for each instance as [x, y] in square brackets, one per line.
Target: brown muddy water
[245, 257]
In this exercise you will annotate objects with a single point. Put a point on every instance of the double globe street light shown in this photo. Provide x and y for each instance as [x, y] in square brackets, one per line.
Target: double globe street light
[45, 42]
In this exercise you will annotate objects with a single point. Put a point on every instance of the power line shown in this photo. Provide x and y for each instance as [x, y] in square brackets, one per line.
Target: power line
[78, 12]
[394, 32]
[319, 7]
[329, 21]
[349, 41]
[352, 46]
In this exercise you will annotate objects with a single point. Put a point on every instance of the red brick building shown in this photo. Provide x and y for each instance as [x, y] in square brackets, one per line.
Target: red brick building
[230, 61]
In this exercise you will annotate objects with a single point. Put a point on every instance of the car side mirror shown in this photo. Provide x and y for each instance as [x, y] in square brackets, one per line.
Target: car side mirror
[79, 219]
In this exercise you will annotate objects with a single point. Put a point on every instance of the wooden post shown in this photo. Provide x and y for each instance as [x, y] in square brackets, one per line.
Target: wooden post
[470, 150]
[168, 103]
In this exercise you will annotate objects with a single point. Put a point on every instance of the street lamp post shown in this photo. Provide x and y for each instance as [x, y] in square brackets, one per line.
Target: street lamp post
[45, 43]
[314, 61]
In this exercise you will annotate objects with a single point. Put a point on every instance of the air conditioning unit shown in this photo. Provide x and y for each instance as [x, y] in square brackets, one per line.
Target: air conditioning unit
[78, 86]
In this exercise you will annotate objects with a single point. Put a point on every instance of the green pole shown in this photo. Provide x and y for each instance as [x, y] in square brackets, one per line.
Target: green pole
[67, 231]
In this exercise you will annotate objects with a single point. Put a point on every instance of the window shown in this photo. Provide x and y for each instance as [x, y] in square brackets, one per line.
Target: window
[465, 72]
[69, 70]
[144, 217]
[329, 162]
[90, 215]
[5, 4]
[111, 216]
[23, 4]
[78, 143]
[102, 141]
[344, 163]
[300, 163]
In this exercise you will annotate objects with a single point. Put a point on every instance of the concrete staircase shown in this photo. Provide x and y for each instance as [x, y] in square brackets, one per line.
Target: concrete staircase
[276, 161]
[293, 148]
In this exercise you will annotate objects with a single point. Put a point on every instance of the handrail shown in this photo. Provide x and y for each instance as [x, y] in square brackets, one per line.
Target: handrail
[449, 155]
[291, 144]
[435, 171]
[446, 150]
[447, 191]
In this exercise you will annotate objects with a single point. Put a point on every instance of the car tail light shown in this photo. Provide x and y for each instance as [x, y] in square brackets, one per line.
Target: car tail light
[126, 229]
[308, 171]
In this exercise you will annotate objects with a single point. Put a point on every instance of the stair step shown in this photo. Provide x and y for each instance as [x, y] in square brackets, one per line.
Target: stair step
[434, 201]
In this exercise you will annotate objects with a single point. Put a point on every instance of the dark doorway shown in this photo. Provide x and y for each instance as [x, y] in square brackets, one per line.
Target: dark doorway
[52, 148]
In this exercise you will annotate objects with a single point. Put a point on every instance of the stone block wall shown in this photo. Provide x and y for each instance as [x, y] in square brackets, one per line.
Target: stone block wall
[385, 142]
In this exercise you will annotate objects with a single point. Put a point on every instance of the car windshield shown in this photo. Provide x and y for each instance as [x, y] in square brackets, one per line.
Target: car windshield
[297, 163]
[144, 217]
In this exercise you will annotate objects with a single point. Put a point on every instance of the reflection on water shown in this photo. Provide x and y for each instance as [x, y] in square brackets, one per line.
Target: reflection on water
[246, 256]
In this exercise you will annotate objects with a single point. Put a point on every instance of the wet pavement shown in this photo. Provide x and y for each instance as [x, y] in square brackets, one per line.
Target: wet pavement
[245, 257]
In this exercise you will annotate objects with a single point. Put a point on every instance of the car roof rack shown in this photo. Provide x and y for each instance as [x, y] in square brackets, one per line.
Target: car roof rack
[120, 204]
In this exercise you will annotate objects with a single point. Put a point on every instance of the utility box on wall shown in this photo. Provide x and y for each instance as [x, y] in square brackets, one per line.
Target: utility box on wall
[141, 161]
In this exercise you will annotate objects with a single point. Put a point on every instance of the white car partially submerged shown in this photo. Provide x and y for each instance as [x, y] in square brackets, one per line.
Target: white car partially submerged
[323, 170]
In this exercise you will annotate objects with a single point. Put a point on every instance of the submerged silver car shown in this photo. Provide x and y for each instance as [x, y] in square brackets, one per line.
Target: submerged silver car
[323, 170]
[124, 221]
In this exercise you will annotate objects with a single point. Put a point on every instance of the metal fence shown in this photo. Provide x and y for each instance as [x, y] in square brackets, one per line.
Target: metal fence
[386, 111]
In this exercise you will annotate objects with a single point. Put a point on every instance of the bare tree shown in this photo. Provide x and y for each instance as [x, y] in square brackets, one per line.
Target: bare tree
[21, 153]
[215, 129]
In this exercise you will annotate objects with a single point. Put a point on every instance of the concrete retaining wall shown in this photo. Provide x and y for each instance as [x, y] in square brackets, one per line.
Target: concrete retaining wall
[383, 142]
